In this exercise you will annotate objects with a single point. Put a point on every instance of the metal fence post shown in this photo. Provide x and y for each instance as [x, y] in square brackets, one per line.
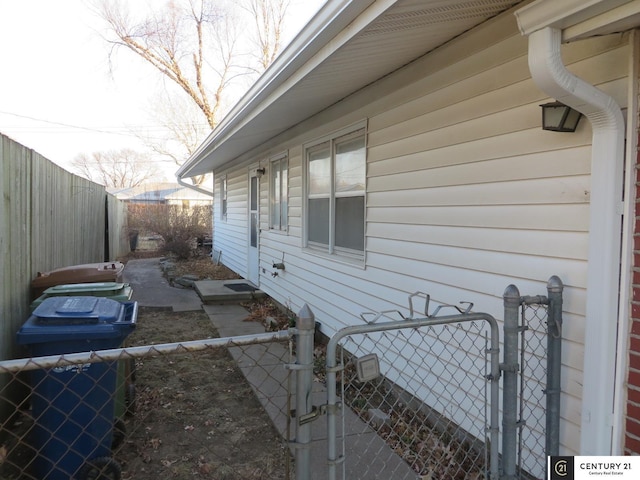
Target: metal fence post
[554, 362]
[510, 368]
[305, 328]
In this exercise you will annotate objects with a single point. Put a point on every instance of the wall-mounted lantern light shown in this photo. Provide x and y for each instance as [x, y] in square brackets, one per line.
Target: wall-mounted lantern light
[558, 117]
[260, 172]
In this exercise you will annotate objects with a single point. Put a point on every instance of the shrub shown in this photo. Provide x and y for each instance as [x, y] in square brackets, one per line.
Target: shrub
[179, 226]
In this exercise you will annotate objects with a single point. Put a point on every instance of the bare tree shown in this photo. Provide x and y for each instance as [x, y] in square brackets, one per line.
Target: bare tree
[116, 168]
[182, 132]
[195, 44]
[269, 17]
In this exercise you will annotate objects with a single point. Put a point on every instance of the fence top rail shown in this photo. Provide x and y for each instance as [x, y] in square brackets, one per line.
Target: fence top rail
[413, 323]
[534, 300]
[36, 363]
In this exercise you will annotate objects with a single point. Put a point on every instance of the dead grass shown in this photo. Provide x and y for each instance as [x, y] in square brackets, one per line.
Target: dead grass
[196, 416]
[203, 268]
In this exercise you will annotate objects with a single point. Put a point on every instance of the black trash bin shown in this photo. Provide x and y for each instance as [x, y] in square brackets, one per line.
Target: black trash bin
[73, 406]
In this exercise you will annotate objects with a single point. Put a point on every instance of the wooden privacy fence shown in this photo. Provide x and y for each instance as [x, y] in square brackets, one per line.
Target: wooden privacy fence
[49, 218]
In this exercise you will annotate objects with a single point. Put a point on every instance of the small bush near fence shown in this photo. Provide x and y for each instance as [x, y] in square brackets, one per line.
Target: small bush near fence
[179, 227]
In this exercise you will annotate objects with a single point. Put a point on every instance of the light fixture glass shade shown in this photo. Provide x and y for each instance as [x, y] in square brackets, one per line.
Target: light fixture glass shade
[558, 117]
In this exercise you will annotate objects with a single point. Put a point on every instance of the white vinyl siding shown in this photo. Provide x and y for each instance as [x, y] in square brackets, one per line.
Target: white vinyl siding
[230, 236]
[465, 195]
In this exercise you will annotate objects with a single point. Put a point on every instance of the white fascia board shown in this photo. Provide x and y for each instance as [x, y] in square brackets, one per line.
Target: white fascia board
[622, 18]
[561, 14]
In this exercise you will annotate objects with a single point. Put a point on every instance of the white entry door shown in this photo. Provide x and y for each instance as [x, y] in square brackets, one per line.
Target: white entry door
[254, 227]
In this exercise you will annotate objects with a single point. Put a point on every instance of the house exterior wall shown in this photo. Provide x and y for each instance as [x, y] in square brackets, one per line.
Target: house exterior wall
[230, 236]
[465, 193]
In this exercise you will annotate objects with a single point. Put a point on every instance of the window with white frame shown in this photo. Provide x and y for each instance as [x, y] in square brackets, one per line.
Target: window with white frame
[278, 192]
[335, 208]
[223, 198]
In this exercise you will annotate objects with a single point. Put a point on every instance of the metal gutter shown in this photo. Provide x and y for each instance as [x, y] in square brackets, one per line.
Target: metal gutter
[308, 49]
[552, 77]
[561, 14]
[194, 187]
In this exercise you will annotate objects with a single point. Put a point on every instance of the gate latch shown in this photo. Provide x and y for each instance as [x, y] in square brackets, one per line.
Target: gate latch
[314, 414]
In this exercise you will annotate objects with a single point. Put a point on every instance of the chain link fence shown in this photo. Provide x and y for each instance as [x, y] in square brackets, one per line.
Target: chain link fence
[532, 394]
[406, 398]
[182, 410]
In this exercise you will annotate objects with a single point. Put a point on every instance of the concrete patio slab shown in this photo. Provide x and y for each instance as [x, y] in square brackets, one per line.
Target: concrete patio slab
[151, 288]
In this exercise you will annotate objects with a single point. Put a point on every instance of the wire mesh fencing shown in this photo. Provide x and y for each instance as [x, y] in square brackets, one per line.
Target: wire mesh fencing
[214, 408]
[532, 366]
[532, 394]
[418, 398]
[407, 398]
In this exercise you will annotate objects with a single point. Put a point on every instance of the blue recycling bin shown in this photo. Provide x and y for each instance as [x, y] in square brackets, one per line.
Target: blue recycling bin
[73, 406]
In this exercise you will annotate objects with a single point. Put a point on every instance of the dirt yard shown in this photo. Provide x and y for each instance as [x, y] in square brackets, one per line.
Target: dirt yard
[195, 415]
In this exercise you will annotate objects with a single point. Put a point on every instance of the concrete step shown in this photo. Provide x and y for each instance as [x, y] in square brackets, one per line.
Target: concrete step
[221, 291]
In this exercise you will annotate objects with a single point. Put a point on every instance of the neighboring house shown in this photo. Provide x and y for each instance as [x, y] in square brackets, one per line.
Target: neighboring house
[161, 193]
[396, 146]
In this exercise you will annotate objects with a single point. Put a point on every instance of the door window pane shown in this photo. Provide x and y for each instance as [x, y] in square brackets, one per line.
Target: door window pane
[254, 229]
[254, 193]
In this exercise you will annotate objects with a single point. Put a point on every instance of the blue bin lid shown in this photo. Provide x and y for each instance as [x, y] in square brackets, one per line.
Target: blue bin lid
[75, 318]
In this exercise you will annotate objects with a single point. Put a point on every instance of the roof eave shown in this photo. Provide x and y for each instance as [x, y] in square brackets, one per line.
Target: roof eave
[310, 45]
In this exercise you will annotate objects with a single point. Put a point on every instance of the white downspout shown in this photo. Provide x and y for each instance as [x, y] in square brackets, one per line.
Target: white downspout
[551, 76]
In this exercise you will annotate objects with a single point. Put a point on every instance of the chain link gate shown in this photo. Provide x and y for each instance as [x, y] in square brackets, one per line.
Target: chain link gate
[419, 397]
[415, 397]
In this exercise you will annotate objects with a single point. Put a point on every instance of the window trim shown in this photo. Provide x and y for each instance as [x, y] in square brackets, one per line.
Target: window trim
[330, 250]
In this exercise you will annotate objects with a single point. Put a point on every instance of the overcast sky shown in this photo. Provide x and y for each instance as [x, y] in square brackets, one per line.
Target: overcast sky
[58, 93]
